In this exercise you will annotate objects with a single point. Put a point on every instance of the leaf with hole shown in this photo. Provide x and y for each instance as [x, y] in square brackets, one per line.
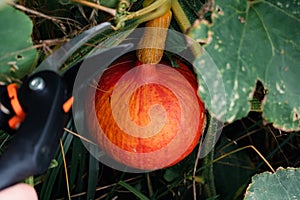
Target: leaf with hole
[251, 41]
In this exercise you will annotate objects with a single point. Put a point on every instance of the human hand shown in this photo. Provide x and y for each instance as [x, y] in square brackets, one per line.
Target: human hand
[20, 191]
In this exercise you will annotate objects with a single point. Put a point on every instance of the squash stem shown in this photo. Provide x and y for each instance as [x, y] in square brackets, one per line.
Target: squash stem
[151, 47]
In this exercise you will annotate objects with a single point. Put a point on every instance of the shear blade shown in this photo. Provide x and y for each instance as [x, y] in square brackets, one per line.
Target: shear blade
[57, 59]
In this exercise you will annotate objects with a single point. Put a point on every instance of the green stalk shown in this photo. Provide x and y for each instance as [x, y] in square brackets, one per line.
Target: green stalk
[184, 25]
[208, 174]
[180, 16]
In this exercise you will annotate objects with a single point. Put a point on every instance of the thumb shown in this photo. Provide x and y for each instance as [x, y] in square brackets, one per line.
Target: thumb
[19, 191]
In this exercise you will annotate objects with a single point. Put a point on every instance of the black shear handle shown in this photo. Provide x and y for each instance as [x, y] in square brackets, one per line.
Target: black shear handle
[36, 140]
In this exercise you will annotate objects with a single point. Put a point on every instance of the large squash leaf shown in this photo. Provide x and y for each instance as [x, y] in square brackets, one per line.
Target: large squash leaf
[17, 58]
[284, 184]
[250, 41]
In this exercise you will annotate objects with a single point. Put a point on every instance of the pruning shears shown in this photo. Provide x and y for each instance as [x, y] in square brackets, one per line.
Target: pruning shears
[36, 111]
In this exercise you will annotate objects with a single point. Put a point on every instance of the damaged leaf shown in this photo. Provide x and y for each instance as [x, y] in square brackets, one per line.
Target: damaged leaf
[251, 41]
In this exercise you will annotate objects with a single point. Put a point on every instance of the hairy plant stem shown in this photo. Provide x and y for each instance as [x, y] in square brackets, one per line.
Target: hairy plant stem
[208, 176]
[207, 173]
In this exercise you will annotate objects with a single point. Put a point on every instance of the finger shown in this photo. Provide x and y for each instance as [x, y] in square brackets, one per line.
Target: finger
[19, 191]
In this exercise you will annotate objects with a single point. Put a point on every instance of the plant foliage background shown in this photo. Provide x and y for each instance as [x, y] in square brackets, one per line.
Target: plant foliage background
[255, 45]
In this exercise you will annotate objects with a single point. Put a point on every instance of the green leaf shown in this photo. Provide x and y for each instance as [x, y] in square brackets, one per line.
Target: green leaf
[92, 176]
[53, 164]
[109, 3]
[76, 161]
[133, 190]
[17, 57]
[250, 41]
[284, 184]
[170, 175]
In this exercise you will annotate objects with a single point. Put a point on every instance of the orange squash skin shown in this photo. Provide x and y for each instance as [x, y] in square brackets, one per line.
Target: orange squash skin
[157, 117]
